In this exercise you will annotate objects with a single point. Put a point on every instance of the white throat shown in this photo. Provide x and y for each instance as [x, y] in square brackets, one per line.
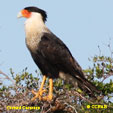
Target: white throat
[34, 29]
[34, 25]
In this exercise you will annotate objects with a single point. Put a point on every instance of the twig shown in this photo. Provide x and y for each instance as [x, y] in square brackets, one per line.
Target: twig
[6, 76]
[71, 107]
[76, 93]
[107, 76]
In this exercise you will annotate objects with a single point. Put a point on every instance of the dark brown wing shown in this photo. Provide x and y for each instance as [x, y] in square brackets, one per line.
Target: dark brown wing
[57, 54]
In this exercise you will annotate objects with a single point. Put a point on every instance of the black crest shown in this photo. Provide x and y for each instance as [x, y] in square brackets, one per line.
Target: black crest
[35, 9]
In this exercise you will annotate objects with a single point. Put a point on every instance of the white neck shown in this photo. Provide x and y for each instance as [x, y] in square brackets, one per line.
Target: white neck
[34, 25]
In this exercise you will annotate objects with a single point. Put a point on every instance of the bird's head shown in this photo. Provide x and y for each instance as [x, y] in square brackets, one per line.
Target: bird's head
[29, 12]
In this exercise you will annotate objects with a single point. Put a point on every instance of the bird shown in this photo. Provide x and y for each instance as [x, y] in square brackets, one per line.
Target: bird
[51, 54]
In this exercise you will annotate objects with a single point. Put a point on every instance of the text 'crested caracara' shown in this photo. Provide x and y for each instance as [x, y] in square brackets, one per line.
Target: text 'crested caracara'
[50, 54]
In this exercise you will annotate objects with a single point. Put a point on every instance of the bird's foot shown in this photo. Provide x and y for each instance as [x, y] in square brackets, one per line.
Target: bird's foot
[47, 98]
[38, 94]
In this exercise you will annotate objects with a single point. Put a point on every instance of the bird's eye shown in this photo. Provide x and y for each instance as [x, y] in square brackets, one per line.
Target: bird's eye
[26, 13]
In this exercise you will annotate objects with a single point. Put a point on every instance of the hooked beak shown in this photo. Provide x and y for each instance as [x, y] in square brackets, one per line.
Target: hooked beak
[19, 15]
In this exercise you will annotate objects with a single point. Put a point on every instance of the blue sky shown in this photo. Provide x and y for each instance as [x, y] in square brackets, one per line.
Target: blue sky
[81, 24]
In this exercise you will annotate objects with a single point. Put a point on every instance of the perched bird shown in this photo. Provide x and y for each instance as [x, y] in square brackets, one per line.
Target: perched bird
[50, 54]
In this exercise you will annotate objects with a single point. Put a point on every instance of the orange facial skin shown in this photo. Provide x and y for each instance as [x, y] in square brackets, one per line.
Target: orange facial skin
[26, 13]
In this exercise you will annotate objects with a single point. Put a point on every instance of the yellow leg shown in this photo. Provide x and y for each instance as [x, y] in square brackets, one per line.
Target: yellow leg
[40, 92]
[51, 89]
[50, 96]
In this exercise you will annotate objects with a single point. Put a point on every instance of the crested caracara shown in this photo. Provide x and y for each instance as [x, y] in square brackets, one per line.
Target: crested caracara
[50, 54]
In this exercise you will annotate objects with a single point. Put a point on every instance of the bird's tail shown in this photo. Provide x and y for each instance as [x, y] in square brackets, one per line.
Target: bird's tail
[81, 82]
[87, 86]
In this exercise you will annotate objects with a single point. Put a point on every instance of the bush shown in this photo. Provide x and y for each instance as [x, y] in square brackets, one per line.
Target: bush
[67, 99]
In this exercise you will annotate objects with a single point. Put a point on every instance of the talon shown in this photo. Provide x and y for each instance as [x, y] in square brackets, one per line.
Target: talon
[33, 92]
[41, 91]
[38, 94]
[47, 98]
